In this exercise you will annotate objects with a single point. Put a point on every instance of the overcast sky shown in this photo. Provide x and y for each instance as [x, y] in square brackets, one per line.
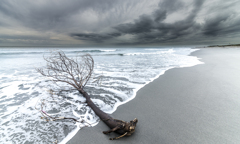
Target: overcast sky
[106, 23]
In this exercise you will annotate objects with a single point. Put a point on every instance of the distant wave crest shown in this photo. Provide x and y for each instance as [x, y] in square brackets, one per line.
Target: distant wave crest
[42, 52]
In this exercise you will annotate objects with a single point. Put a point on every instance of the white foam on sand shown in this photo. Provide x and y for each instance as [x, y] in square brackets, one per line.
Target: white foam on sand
[123, 75]
[193, 61]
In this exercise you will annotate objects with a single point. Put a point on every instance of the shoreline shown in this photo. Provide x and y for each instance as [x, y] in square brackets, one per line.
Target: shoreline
[73, 133]
[167, 114]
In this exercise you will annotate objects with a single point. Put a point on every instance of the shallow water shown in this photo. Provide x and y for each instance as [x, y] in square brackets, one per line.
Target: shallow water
[123, 71]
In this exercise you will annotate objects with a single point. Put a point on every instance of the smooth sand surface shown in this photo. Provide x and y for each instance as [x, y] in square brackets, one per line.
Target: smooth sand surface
[199, 104]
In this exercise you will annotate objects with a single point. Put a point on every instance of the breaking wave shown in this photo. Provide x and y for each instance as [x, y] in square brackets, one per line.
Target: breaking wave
[123, 71]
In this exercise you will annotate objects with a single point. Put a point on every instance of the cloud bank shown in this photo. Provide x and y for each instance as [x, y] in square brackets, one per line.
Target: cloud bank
[119, 22]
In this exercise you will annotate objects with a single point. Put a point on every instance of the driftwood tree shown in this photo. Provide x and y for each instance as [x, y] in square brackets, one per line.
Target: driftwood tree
[76, 72]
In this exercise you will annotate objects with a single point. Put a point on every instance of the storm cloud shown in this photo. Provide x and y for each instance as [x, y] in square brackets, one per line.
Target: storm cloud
[119, 22]
[221, 25]
[152, 28]
[95, 37]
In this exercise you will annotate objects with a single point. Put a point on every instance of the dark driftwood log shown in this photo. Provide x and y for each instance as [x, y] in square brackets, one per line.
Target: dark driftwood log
[118, 126]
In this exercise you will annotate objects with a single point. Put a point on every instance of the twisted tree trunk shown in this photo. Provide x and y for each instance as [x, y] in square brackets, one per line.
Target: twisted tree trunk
[108, 120]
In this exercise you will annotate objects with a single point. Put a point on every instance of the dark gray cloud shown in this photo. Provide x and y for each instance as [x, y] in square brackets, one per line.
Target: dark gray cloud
[159, 15]
[221, 25]
[120, 22]
[171, 5]
[213, 26]
[95, 37]
[151, 28]
[51, 18]
[48, 15]
[143, 24]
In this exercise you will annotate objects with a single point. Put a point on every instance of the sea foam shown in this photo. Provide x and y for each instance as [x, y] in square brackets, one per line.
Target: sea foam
[123, 72]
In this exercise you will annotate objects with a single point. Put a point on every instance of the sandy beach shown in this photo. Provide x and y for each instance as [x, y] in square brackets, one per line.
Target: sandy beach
[199, 104]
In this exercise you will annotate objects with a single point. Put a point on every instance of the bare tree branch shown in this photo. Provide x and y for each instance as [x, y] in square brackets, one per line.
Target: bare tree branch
[76, 72]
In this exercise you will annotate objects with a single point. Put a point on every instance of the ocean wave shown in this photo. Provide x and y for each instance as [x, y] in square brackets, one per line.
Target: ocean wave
[121, 78]
[137, 53]
[48, 51]
[19, 53]
[152, 49]
[95, 50]
[152, 53]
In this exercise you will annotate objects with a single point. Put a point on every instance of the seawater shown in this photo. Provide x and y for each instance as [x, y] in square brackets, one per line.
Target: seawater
[123, 72]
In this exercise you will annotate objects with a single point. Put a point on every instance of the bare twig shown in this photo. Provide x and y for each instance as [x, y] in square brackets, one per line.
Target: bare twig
[76, 72]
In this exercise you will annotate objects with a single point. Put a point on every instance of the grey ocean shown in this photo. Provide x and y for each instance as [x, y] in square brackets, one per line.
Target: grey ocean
[123, 72]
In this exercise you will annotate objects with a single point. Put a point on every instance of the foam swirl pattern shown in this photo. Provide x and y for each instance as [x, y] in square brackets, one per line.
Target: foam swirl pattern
[124, 72]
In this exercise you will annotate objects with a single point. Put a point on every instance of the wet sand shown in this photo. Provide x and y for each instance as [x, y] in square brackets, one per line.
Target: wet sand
[199, 104]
